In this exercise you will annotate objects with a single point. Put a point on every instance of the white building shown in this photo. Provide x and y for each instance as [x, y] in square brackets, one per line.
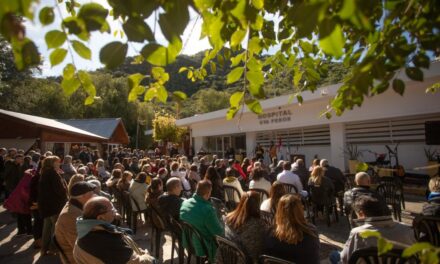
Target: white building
[384, 119]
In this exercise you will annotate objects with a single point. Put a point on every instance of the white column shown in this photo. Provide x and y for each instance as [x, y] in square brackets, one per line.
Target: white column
[198, 143]
[251, 143]
[337, 143]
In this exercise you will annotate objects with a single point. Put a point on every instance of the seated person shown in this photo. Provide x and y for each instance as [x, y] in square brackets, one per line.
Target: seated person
[101, 242]
[287, 176]
[65, 227]
[170, 201]
[231, 180]
[241, 225]
[376, 217]
[98, 189]
[362, 181]
[321, 188]
[292, 238]
[277, 190]
[432, 208]
[258, 181]
[199, 212]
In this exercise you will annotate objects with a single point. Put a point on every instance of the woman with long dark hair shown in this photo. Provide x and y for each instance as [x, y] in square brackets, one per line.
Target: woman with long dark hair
[52, 196]
[217, 183]
[292, 238]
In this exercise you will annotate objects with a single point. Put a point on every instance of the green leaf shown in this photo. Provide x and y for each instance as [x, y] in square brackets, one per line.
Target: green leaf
[258, 4]
[57, 56]
[150, 94]
[137, 30]
[369, 233]
[254, 64]
[254, 45]
[94, 16]
[416, 248]
[333, 44]
[398, 86]
[237, 37]
[255, 106]
[74, 25]
[234, 75]
[46, 15]
[213, 67]
[421, 60]
[237, 59]
[70, 85]
[179, 96]
[297, 77]
[159, 55]
[256, 79]
[162, 94]
[25, 53]
[134, 80]
[362, 167]
[232, 111]
[383, 246]
[160, 75]
[82, 49]
[55, 38]
[135, 92]
[68, 71]
[235, 99]
[348, 9]
[414, 74]
[306, 46]
[113, 54]
[89, 100]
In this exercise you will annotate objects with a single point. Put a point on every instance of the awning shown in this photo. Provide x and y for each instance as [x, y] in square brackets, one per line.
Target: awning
[24, 144]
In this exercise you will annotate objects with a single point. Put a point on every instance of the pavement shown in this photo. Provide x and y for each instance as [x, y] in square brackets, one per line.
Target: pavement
[19, 250]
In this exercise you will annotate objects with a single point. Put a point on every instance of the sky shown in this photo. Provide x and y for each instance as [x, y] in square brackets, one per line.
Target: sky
[36, 32]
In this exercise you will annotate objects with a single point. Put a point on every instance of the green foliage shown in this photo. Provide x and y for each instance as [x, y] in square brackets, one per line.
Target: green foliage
[362, 167]
[372, 40]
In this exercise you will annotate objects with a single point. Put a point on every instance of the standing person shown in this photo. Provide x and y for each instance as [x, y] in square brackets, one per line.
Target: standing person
[18, 203]
[292, 238]
[124, 183]
[65, 227]
[242, 223]
[13, 172]
[259, 152]
[272, 151]
[199, 212]
[37, 227]
[84, 155]
[52, 196]
[67, 168]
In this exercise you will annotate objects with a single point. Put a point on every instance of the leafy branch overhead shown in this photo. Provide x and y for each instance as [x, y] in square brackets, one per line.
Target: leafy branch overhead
[373, 39]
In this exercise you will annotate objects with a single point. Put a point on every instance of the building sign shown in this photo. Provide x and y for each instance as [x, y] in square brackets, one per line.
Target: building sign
[275, 117]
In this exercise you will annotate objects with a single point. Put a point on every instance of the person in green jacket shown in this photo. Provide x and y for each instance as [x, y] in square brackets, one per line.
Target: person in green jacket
[199, 212]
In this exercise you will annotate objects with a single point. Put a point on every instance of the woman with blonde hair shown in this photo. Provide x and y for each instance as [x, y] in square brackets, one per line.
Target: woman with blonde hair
[75, 179]
[52, 196]
[292, 238]
[321, 188]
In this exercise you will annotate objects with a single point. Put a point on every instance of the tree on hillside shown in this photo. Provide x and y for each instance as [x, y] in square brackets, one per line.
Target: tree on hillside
[374, 39]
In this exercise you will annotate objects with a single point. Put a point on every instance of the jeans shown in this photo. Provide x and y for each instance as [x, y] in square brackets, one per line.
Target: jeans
[335, 257]
[24, 224]
[48, 231]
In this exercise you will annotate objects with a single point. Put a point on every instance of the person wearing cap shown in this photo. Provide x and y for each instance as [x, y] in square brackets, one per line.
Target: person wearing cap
[65, 227]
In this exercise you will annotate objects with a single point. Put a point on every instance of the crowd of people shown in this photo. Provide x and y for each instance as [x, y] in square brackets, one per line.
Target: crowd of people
[73, 204]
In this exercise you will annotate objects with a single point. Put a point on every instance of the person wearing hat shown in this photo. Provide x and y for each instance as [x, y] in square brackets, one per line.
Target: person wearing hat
[65, 227]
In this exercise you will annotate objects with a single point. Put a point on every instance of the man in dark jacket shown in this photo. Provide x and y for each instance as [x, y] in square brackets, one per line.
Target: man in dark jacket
[362, 180]
[101, 242]
[13, 173]
[170, 202]
[303, 173]
[335, 175]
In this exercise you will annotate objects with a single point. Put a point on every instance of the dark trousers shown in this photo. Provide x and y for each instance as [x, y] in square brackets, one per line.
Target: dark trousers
[38, 224]
[24, 223]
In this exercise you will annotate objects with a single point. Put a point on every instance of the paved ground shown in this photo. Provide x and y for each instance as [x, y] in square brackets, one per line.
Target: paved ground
[19, 250]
